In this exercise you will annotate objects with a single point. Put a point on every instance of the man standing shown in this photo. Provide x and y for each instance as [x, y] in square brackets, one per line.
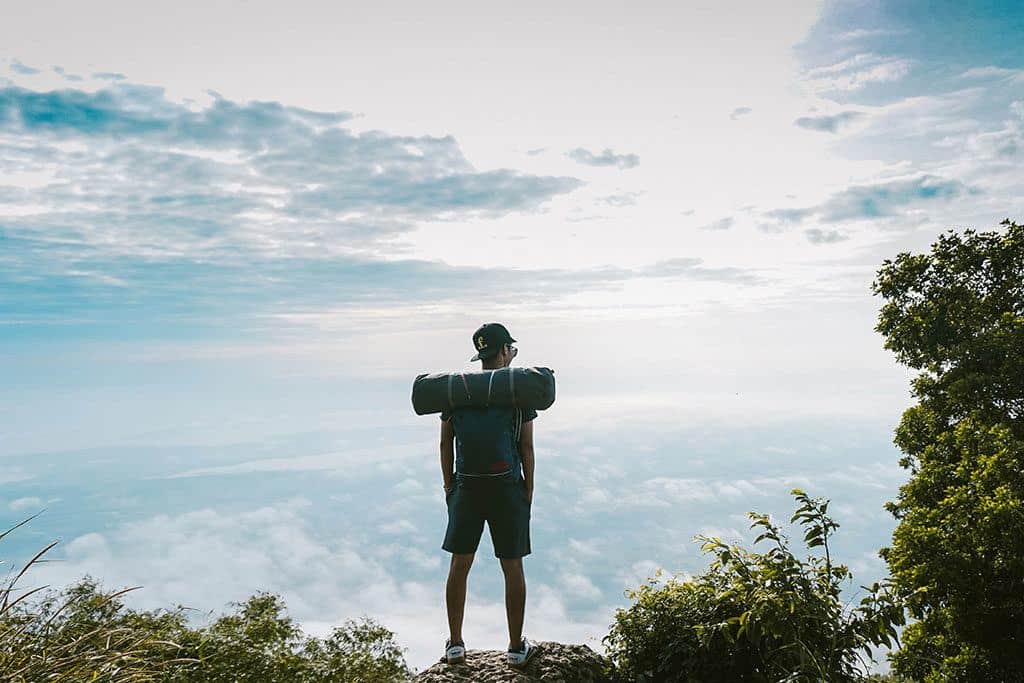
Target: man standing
[491, 452]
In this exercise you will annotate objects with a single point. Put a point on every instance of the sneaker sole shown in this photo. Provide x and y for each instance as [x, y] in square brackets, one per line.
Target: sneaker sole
[529, 658]
[457, 660]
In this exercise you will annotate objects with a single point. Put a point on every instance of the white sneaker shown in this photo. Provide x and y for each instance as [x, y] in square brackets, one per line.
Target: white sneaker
[454, 654]
[519, 658]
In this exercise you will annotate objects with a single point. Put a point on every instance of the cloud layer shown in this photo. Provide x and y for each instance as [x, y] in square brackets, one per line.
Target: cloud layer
[828, 123]
[145, 176]
[364, 535]
[135, 206]
[604, 158]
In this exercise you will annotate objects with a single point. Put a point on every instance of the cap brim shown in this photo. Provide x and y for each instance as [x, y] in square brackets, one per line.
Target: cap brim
[479, 357]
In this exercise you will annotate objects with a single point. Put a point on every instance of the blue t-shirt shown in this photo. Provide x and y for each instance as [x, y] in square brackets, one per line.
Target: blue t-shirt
[487, 439]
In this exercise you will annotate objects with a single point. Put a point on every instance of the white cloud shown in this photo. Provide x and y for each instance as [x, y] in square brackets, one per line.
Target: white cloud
[992, 72]
[670, 491]
[720, 224]
[595, 495]
[233, 180]
[737, 489]
[858, 71]
[338, 462]
[408, 486]
[583, 548]
[726, 534]
[861, 33]
[14, 474]
[642, 571]
[680, 490]
[401, 526]
[606, 157]
[580, 586]
[27, 503]
[778, 449]
[884, 476]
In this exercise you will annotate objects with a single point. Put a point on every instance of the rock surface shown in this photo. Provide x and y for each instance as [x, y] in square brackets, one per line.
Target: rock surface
[553, 662]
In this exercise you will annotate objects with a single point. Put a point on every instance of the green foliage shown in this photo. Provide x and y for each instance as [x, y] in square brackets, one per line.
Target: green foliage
[757, 617]
[957, 555]
[73, 636]
[957, 315]
[260, 643]
[83, 633]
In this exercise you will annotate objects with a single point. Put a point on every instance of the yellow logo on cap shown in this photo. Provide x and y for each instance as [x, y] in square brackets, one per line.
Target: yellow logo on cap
[481, 343]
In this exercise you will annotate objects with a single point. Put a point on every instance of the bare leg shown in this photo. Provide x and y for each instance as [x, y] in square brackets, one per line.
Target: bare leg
[515, 599]
[455, 593]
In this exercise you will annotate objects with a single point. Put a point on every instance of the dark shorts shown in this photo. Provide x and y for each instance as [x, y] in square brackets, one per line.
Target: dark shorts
[501, 502]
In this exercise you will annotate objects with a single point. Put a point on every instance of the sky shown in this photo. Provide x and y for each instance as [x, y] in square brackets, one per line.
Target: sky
[232, 233]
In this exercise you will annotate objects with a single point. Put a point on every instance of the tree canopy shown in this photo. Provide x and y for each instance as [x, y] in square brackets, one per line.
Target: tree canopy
[956, 314]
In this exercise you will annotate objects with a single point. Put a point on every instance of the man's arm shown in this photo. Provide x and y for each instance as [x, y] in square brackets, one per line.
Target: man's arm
[447, 453]
[526, 454]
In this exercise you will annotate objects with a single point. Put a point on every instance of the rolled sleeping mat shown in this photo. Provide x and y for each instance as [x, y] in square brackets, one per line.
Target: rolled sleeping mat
[504, 387]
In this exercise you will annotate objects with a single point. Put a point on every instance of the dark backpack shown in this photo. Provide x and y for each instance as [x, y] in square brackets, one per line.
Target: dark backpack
[486, 439]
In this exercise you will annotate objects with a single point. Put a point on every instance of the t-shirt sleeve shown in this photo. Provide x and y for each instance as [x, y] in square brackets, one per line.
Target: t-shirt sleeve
[529, 414]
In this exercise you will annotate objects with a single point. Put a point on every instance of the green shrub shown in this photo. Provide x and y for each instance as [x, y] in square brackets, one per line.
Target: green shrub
[73, 636]
[260, 643]
[755, 616]
[83, 633]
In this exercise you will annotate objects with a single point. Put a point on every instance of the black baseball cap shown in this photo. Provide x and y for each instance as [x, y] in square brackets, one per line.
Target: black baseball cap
[487, 340]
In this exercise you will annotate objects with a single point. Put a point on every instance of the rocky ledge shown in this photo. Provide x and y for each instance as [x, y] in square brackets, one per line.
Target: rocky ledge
[553, 663]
